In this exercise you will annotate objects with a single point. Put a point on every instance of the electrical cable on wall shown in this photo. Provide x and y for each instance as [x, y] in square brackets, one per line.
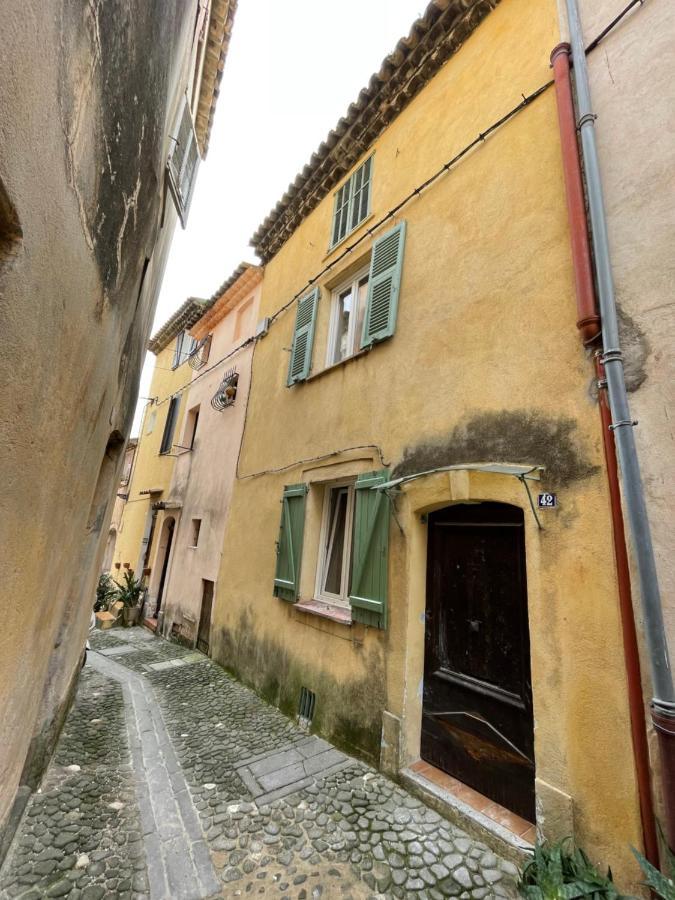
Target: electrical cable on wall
[480, 138]
[414, 193]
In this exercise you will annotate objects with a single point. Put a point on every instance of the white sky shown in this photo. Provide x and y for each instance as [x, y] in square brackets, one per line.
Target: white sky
[292, 70]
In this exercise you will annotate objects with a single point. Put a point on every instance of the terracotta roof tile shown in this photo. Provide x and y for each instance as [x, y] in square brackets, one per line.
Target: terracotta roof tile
[217, 44]
[184, 318]
[432, 40]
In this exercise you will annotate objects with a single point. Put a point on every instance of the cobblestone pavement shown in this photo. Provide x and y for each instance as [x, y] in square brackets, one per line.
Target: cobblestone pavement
[172, 780]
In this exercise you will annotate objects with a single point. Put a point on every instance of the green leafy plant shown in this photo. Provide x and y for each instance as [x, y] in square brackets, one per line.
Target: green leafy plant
[661, 884]
[131, 590]
[563, 872]
[106, 592]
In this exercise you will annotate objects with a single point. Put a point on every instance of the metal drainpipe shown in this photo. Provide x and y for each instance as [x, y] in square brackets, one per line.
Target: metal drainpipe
[663, 703]
[588, 323]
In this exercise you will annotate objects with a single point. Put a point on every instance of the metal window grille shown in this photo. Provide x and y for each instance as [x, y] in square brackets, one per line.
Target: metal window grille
[227, 391]
[306, 707]
[199, 355]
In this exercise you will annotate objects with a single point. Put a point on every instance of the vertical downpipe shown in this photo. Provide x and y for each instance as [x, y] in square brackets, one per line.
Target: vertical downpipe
[663, 702]
[588, 323]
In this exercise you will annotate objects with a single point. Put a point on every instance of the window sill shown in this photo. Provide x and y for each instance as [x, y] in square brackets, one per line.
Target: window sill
[324, 611]
[337, 365]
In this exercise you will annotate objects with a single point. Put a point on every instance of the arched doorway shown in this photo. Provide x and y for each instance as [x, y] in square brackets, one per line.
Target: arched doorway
[166, 541]
[477, 722]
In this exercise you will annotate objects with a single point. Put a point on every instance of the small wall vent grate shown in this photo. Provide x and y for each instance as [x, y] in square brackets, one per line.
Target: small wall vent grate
[306, 708]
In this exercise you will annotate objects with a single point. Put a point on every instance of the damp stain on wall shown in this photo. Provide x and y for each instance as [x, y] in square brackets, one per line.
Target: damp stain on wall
[513, 436]
[348, 711]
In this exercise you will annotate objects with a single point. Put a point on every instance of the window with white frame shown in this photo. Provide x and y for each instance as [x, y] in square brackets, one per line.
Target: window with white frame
[335, 548]
[185, 344]
[352, 202]
[348, 309]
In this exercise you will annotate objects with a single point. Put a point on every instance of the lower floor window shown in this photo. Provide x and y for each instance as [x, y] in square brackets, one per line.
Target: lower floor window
[335, 549]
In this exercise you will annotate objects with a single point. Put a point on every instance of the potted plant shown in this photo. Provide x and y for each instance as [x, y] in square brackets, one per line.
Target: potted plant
[106, 592]
[130, 593]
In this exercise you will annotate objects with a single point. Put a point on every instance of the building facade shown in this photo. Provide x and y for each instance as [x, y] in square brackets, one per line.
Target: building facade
[105, 111]
[418, 549]
[120, 501]
[637, 172]
[140, 534]
[198, 498]
[630, 70]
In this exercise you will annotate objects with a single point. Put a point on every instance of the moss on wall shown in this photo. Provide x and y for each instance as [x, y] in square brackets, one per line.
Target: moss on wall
[347, 712]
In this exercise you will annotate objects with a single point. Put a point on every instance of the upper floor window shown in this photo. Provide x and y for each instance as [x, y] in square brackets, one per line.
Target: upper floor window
[352, 202]
[363, 309]
[185, 344]
[183, 162]
[170, 425]
[191, 428]
[348, 309]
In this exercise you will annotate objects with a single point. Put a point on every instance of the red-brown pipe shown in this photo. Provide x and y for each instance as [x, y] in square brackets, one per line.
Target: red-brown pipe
[588, 324]
[638, 722]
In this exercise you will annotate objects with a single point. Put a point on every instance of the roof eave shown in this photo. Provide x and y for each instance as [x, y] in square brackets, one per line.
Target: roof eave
[432, 40]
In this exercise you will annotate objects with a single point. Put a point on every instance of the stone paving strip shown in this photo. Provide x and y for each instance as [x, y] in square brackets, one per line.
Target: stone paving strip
[218, 794]
[276, 774]
[352, 833]
[179, 865]
[80, 836]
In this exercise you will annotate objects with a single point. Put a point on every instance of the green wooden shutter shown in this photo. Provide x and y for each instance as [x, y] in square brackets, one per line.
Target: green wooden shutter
[289, 545]
[303, 338]
[368, 591]
[383, 286]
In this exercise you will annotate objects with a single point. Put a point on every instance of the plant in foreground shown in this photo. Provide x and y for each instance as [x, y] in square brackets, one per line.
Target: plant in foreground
[563, 872]
[659, 883]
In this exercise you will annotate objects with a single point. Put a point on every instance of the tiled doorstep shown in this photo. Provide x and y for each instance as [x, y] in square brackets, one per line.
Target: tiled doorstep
[506, 833]
[479, 802]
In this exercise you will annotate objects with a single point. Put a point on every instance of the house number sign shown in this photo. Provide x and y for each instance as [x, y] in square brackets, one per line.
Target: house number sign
[547, 501]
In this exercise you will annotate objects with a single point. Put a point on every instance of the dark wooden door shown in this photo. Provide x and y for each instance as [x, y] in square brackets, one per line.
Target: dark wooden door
[203, 635]
[477, 720]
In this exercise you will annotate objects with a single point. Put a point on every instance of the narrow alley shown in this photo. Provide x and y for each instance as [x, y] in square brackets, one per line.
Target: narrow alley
[172, 780]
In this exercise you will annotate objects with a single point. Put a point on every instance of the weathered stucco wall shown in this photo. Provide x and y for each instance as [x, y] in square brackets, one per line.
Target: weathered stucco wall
[87, 97]
[203, 477]
[485, 365]
[631, 78]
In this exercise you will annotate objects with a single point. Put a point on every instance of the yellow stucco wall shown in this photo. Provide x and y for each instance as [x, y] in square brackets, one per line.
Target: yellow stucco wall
[485, 364]
[151, 470]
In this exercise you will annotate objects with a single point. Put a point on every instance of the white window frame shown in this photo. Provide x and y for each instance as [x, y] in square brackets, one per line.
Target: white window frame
[348, 185]
[180, 353]
[324, 556]
[353, 340]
